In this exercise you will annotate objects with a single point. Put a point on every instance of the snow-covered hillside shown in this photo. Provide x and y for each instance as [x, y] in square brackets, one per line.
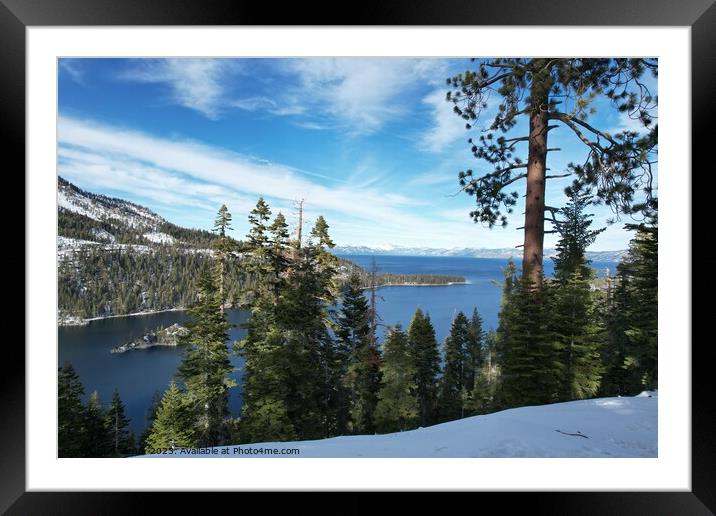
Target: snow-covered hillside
[159, 238]
[101, 207]
[90, 219]
[604, 427]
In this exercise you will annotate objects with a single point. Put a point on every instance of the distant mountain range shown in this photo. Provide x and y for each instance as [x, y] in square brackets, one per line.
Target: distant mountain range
[87, 218]
[390, 250]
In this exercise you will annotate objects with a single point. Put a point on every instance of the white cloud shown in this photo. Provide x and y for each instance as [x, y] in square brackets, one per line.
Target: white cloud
[313, 126]
[270, 105]
[73, 69]
[357, 93]
[191, 174]
[254, 103]
[627, 123]
[198, 84]
[360, 95]
[447, 128]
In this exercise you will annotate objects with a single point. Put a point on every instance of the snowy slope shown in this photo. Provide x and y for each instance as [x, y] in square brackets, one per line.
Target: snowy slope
[159, 238]
[101, 207]
[609, 427]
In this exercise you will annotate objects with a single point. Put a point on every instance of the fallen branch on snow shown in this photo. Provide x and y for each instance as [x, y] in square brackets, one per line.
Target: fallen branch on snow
[578, 434]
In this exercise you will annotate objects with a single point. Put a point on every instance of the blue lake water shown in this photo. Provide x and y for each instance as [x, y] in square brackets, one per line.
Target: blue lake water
[138, 374]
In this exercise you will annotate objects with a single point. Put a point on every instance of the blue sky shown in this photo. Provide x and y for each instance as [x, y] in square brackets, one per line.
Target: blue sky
[371, 144]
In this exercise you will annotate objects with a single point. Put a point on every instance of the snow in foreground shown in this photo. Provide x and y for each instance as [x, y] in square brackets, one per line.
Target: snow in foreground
[604, 427]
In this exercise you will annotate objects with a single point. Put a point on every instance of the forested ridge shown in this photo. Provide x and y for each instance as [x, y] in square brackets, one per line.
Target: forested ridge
[116, 258]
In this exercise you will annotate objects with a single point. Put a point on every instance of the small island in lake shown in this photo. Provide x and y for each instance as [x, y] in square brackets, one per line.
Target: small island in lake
[162, 337]
[371, 279]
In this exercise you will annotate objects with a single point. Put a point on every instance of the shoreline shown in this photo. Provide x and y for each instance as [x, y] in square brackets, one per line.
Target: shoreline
[84, 322]
[418, 284]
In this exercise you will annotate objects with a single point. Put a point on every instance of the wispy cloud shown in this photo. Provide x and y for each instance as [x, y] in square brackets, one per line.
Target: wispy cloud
[627, 123]
[358, 95]
[446, 128]
[313, 126]
[270, 105]
[73, 69]
[355, 94]
[197, 84]
[195, 175]
[435, 178]
[363, 94]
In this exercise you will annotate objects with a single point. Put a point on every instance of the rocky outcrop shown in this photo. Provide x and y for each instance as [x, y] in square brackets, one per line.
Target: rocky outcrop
[169, 336]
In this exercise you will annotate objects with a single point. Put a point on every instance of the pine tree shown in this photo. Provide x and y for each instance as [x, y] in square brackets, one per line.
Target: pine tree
[150, 416]
[205, 367]
[536, 90]
[473, 351]
[278, 254]
[257, 241]
[290, 373]
[575, 235]
[397, 407]
[305, 318]
[529, 357]
[223, 246]
[426, 359]
[117, 425]
[578, 330]
[358, 358]
[97, 437]
[632, 349]
[71, 433]
[482, 398]
[617, 379]
[452, 383]
[172, 427]
[576, 319]
[264, 411]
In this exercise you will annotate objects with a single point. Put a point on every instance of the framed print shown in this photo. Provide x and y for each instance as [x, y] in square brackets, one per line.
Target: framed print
[413, 253]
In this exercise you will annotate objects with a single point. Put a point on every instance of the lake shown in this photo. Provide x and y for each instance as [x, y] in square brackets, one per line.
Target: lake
[138, 374]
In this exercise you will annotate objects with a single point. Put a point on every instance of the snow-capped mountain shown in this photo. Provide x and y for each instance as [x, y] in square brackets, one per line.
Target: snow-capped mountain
[597, 256]
[86, 218]
[100, 207]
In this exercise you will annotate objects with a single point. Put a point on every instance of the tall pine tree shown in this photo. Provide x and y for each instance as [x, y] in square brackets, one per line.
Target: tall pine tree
[482, 398]
[205, 367]
[97, 437]
[473, 351]
[397, 407]
[356, 345]
[173, 424]
[556, 94]
[452, 384]
[70, 413]
[117, 424]
[290, 373]
[426, 359]
[632, 349]
[223, 246]
[577, 322]
[529, 357]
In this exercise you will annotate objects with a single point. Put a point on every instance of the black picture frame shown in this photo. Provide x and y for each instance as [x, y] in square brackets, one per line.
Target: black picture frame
[700, 15]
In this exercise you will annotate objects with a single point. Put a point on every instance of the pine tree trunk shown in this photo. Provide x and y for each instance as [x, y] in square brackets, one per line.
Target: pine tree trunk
[534, 211]
[221, 283]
